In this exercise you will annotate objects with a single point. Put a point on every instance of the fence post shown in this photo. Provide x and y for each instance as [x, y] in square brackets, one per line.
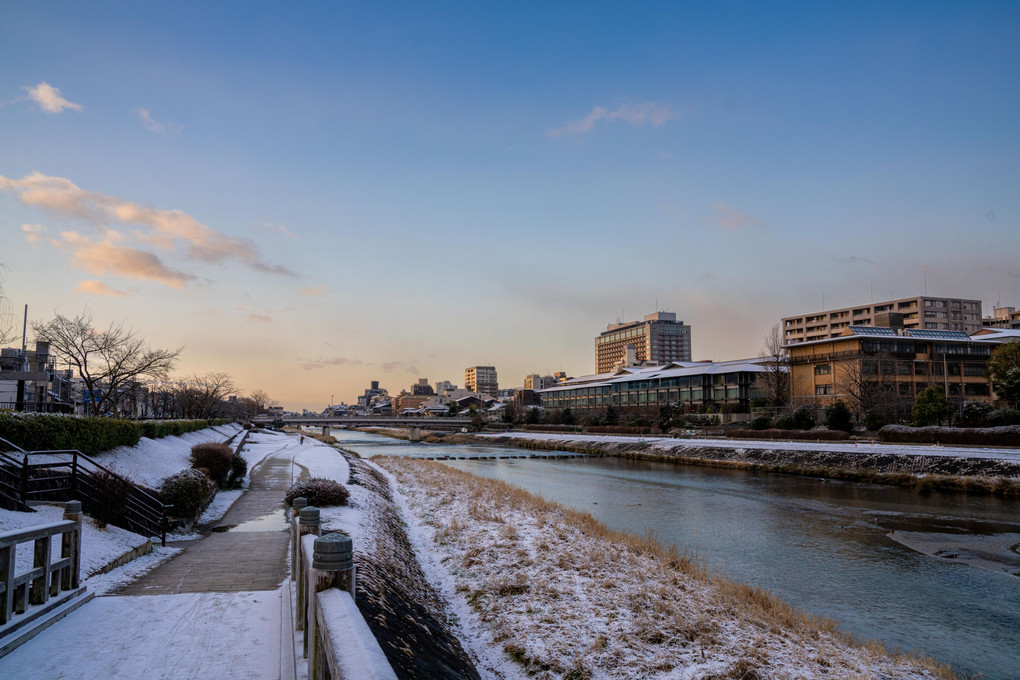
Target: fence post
[308, 523]
[70, 546]
[24, 479]
[295, 547]
[332, 567]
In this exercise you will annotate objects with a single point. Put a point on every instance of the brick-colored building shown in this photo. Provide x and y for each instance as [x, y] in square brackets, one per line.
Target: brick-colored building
[658, 339]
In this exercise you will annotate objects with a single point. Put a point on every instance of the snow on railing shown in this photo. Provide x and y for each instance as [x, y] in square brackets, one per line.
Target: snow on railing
[337, 641]
[48, 577]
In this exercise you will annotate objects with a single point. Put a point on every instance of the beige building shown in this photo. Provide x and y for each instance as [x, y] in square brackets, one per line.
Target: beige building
[481, 379]
[658, 339]
[920, 313]
[1002, 317]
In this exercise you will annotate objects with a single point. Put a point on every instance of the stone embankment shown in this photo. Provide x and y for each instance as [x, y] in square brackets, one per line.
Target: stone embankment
[896, 464]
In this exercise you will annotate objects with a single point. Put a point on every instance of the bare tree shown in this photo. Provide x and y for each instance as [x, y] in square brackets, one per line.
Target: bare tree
[107, 361]
[867, 383]
[7, 332]
[262, 401]
[774, 382]
[202, 396]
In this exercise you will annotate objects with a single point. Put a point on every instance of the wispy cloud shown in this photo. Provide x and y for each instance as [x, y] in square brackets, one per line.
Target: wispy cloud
[390, 366]
[275, 229]
[733, 220]
[93, 287]
[638, 115]
[156, 126]
[159, 229]
[256, 317]
[316, 364]
[853, 259]
[314, 292]
[105, 257]
[50, 99]
[33, 233]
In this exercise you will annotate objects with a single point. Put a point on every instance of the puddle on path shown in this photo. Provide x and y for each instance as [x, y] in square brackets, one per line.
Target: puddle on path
[275, 521]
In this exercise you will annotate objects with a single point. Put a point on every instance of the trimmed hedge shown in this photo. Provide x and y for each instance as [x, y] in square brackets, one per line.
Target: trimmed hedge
[319, 492]
[800, 435]
[1008, 435]
[188, 492]
[90, 435]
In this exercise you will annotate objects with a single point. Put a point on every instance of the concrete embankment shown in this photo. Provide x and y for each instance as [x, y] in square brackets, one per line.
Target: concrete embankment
[969, 472]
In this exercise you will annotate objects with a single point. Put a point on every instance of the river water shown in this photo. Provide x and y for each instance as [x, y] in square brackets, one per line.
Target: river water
[834, 549]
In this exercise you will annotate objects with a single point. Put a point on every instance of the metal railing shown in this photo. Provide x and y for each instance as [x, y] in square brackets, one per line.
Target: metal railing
[69, 474]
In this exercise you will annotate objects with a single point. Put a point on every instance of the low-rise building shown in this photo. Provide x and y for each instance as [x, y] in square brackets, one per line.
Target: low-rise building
[1002, 317]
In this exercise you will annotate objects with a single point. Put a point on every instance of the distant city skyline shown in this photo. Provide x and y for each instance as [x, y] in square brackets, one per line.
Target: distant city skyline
[315, 196]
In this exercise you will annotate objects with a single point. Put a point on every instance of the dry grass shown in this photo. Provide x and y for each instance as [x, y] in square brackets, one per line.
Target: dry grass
[565, 596]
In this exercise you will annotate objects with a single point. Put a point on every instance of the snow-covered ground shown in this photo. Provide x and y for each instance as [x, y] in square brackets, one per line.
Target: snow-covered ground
[151, 461]
[849, 448]
[564, 597]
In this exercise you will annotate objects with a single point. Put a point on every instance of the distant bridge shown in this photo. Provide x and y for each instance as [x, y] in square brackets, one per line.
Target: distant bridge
[437, 423]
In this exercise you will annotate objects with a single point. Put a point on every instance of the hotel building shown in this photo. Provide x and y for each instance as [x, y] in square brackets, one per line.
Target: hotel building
[659, 339]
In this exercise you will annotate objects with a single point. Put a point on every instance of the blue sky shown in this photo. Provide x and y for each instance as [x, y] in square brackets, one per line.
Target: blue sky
[313, 196]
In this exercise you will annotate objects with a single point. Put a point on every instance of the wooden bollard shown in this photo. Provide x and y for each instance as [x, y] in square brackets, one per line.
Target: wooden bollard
[296, 505]
[332, 567]
[70, 546]
[308, 523]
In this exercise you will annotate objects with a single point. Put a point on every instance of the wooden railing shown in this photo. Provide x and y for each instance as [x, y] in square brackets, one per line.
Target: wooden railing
[48, 578]
[70, 474]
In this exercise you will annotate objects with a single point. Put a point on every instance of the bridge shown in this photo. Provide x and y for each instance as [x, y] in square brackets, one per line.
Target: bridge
[402, 422]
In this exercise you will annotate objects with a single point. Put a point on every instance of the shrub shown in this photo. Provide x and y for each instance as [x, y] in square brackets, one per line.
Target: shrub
[761, 423]
[187, 491]
[930, 407]
[876, 419]
[319, 491]
[1006, 416]
[802, 435]
[238, 469]
[838, 417]
[803, 418]
[786, 422]
[974, 414]
[216, 458]
[1008, 435]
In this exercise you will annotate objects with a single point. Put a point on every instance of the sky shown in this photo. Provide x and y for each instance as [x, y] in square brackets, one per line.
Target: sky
[315, 195]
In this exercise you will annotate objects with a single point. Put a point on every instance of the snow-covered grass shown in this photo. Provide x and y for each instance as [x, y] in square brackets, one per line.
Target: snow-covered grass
[564, 597]
[152, 460]
[1004, 454]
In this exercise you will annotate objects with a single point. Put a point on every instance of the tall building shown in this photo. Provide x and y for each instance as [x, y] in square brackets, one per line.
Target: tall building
[919, 313]
[481, 379]
[659, 339]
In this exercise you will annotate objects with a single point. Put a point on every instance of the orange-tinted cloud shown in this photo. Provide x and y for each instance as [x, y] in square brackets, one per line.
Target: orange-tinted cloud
[732, 220]
[105, 257]
[93, 287]
[314, 292]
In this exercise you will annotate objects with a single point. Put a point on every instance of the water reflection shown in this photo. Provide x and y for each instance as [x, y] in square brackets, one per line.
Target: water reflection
[860, 554]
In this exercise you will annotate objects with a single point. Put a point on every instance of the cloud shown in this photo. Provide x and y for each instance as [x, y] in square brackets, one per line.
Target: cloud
[853, 259]
[33, 233]
[732, 220]
[638, 115]
[390, 366]
[275, 229]
[255, 317]
[103, 257]
[161, 229]
[98, 288]
[316, 364]
[49, 98]
[314, 292]
[154, 125]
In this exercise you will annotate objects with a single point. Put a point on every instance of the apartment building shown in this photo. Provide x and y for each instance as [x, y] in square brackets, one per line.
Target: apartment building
[658, 339]
[920, 313]
[481, 380]
[1002, 317]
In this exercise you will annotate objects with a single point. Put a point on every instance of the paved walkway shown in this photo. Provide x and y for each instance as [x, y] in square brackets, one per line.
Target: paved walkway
[246, 550]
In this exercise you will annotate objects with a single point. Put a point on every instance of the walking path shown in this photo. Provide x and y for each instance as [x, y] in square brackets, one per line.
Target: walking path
[212, 611]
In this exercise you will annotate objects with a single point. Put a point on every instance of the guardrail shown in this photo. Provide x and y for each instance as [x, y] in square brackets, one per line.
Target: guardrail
[337, 641]
[50, 582]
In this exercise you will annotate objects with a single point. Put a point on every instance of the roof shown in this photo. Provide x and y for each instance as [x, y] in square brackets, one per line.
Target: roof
[997, 335]
[851, 332]
[672, 370]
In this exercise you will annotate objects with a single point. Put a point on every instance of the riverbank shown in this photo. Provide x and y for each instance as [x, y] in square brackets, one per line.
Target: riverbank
[926, 468]
[564, 597]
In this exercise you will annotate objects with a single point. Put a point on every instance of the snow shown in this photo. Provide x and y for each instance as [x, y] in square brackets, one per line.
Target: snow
[196, 635]
[362, 657]
[848, 448]
[528, 580]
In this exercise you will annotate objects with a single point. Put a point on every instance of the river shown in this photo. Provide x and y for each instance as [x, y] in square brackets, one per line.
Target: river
[834, 549]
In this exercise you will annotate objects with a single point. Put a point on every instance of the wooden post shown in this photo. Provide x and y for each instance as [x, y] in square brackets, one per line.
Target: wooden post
[332, 567]
[70, 546]
[39, 593]
[296, 505]
[7, 555]
[308, 523]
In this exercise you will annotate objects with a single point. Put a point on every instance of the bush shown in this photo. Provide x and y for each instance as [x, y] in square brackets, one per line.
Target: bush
[786, 422]
[803, 418]
[1006, 416]
[216, 458]
[187, 491]
[974, 414]
[238, 469]
[1008, 435]
[838, 417]
[801, 435]
[319, 491]
[761, 423]
[876, 419]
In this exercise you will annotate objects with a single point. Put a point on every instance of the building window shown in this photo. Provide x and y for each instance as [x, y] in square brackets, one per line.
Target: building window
[823, 369]
[823, 390]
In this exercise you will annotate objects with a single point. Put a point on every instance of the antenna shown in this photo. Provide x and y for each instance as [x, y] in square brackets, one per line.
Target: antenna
[925, 280]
